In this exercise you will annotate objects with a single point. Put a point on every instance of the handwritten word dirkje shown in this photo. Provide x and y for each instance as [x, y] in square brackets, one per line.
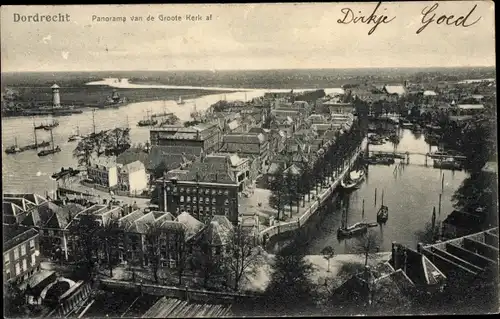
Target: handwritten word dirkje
[350, 16]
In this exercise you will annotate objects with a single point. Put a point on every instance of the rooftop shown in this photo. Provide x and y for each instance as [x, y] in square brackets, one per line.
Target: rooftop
[193, 226]
[32, 197]
[196, 132]
[470, 254]
[244, 138]
[132, 167]
[14, 235]
[395, 89]
[107, 162]
[175, 308]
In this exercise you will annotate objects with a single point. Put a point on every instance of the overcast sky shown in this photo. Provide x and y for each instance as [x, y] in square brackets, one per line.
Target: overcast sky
[259, 36]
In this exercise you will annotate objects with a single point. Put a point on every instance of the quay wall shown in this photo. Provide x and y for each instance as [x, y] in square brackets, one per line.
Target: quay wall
[195, 295]
[286, 227]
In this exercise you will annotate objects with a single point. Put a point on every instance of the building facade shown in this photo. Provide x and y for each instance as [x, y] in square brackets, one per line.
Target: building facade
[21, 252]
[133, 178]
[103, 173]
[206, 136]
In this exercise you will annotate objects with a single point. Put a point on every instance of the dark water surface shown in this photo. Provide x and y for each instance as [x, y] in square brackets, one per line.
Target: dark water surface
[410, 192]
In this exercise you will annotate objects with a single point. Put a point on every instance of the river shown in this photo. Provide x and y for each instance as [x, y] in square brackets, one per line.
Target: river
[410, 192]
[26, 172]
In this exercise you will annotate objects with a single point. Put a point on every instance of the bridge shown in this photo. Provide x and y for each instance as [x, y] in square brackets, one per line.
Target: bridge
[406, 155]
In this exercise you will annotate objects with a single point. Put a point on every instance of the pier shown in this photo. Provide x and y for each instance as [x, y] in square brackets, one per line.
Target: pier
[322, 197]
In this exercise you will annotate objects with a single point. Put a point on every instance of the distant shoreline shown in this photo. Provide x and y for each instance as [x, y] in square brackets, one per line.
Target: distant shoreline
[264, 70]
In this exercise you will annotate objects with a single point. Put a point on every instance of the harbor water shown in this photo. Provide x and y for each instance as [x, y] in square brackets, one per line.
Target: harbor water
[26, 172]
[410, 192]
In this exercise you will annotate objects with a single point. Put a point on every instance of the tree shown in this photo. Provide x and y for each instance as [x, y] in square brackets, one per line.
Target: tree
[305, 181]
[99, 142]
[181, 253]
[109, 236]
[153, 248]
[367, 245]
[83, 151]
[160, 169]
[277, 185]
[14, 300]
[292, 189]
[290, 289]
[86, 229]
[117, 141]
[428, 235]
[242, 254]
[328, 252]
[205, 262]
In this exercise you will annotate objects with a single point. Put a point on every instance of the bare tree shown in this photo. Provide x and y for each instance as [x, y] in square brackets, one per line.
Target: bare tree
[205, 262]
[181, 252]
[242, 254]
[86, 244]
[109, 235]
[368, 245]
[328, 252]
[153, 248]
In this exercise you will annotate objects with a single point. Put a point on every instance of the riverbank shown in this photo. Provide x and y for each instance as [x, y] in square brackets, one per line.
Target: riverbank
[94, 96]
[321, 198]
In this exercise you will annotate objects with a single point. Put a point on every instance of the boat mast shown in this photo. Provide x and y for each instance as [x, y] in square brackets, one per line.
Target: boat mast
[34, 131]
[52, 139]
[93, 119]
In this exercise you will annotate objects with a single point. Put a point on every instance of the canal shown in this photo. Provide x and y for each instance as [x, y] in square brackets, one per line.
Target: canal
[410, 192]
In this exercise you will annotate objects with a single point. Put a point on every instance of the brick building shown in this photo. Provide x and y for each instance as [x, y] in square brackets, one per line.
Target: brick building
[207, 189]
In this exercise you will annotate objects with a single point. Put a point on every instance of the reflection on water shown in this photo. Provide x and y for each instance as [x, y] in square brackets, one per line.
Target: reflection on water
[409, 191]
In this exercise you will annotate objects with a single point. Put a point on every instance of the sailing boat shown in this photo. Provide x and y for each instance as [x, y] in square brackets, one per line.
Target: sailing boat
[149, 121]
[353, 230]
[75, 137]
[50, 151]
[13, 149]
[180, 101]
[47, 126]
[36, 145]
[354, 180]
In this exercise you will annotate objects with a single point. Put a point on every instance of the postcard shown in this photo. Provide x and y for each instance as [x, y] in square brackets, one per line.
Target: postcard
[265, 159]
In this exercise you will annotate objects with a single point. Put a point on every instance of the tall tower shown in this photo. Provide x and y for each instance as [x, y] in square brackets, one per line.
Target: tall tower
[56, 99]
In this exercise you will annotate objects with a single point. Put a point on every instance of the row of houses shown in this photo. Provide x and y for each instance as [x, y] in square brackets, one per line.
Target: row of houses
[209, 166]
[52, 230]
